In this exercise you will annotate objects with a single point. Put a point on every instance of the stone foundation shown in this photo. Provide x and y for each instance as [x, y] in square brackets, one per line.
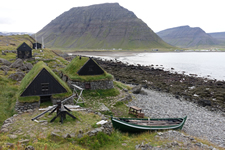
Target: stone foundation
[93, 85]
[26, 107]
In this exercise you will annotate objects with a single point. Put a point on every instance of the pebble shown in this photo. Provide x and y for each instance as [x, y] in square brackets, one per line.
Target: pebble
[202, 123]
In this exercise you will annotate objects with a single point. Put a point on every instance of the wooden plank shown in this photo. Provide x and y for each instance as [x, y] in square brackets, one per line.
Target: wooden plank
[136, 108]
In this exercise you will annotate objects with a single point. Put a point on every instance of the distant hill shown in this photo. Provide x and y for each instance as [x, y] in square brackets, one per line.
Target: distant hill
[220, 36]
[15, 33]
[187, 37]
[103, 26]
[13, 41]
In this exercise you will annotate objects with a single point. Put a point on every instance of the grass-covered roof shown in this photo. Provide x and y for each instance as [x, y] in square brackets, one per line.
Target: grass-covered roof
[76, 64]
[30, 77]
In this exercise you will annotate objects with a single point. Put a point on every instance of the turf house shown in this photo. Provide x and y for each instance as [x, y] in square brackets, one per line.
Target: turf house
[38, 45]
[24, 51]
[41, 84]
[87, 74]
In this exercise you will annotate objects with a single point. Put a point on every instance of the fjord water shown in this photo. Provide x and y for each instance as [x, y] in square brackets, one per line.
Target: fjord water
[203, 64]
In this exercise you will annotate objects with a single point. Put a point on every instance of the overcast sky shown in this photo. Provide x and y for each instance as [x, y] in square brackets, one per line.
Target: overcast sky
[32, 16]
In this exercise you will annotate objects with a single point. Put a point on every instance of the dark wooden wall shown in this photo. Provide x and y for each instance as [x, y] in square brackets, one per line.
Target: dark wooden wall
[38, 45]
[43, 85]
[24, 51]
[90, 68]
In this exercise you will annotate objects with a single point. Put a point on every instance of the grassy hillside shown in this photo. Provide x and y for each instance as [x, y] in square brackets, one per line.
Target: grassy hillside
[13, 41]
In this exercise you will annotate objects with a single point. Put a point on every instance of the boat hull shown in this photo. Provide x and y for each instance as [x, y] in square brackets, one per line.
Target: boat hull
[134, 128]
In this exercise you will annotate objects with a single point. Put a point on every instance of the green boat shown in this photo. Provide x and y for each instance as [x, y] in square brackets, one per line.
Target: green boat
[136, 125]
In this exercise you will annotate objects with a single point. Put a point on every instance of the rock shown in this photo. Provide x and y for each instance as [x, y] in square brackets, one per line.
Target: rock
[29, 148]
[53, 134]
[24, 141]
[204, 103]
[4, 130]
[72, 135]
[126, 98]
[23, 67]
[103, 108]
[5, 62]
[65, 136]
[16, 64]
[9, 145]
[29, 66]
[5, 68]
[79, 136]
[3, 53]
[17, 76]
[12, 136]
[124, 144]
[136, 89]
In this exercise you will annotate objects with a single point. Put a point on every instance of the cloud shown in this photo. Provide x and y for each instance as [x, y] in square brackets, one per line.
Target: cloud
[4, 20]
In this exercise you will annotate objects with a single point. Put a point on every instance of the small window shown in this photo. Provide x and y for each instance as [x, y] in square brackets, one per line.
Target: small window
[87, 86]
[44, 87]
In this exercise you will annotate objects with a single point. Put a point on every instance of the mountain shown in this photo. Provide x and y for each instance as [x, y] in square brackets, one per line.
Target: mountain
[15, 33]
[187, 37]
[220, 36]
[102, 26]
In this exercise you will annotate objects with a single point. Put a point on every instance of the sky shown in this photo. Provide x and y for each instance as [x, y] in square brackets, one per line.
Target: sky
[32, 16]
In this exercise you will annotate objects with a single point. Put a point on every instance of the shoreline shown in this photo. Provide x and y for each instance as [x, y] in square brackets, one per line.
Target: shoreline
[205, 92]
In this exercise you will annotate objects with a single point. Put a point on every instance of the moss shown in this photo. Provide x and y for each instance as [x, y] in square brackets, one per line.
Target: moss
[74, 66]
[30, 77]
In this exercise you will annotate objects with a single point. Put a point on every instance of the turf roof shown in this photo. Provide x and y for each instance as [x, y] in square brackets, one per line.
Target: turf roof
[30, 77]
[76, 64]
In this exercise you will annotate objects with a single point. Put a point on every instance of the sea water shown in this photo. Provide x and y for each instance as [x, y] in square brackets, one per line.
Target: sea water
[202, 64]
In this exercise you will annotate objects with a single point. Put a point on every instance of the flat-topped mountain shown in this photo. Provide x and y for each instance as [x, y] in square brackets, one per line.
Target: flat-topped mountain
[103, 26]
[187, 37]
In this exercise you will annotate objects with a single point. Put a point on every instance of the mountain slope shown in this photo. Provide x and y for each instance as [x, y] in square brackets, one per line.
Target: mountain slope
[103, 26]
[186, 37]
[220, 36]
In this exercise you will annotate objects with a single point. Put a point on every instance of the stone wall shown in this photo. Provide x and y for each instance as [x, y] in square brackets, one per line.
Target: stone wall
[26, 107]
[94, 85]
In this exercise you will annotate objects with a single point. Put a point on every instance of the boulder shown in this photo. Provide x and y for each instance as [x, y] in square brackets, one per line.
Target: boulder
[136, 89]
[23, 67]
[5, 68]
[5, 62]
[29, 66]
[18, 76]
[16, 64]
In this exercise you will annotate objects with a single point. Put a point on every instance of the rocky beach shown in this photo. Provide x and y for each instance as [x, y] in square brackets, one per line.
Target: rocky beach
[200, 123]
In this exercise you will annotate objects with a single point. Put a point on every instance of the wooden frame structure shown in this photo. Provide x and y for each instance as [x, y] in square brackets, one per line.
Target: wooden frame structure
[77, 94]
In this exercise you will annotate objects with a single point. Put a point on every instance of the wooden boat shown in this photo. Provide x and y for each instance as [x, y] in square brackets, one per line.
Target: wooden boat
[145, 124]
